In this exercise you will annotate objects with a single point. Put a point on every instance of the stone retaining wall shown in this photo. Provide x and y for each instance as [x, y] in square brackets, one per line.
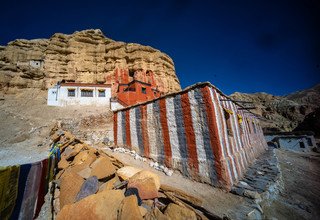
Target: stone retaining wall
[207, 139]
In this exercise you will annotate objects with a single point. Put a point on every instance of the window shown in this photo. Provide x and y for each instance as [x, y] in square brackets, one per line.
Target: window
[228, 120]
[129, 89]
[144, 90]
[71, 92]
[131, 73]
[309, 141]
[86, 93]
[102, 93]
[301, 144]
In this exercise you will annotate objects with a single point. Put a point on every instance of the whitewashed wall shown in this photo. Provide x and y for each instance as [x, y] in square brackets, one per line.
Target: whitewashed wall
[64, 100]
[188, 131]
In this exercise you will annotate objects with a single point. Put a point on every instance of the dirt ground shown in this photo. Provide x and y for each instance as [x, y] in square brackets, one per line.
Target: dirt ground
[26, 120]
[300, 195]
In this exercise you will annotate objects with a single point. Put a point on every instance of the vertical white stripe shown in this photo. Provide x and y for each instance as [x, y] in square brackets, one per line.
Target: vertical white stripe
[174, 141]
[220, 130]
[133, 128]
[219, 123]
[227, 137]
[235, 130]
[235, 145]
[235, 126]
[240, 145]
[197, 123]
[151, 132]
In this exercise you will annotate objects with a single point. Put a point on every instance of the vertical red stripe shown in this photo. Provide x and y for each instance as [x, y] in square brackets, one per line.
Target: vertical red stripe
[225, 137]
[190, 136]
[125, 76]
[221, 168]
[128, 135]
[116, 75]
[144, 126]
[115, 128]
[165, 133]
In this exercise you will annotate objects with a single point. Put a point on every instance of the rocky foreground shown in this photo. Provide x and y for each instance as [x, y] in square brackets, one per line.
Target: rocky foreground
[96, 185]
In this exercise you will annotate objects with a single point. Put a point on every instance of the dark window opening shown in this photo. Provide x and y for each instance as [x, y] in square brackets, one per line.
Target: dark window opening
[301, 144]
[228, 120]
[129, 89]
[131, 73]
[102, 93]
[309, 142]
[144, 90]
[86, 93]
[71, 92]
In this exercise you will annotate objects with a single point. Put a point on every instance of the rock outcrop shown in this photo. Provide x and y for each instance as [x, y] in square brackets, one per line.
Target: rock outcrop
[84, 56]
[116, 199]
[283, 113]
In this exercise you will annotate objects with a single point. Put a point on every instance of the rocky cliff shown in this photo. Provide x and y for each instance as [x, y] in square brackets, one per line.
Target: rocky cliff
[295, 111]
[85, 56]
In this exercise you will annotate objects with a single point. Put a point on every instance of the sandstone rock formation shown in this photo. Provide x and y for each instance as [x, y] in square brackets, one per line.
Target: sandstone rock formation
[283, 113]
[84, 56]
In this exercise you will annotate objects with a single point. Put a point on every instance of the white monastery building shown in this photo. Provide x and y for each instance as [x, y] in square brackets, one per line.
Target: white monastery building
[64, 94]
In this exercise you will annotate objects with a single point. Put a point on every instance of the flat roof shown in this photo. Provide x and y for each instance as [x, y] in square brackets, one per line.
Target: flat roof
[86, 85]
[200, 84]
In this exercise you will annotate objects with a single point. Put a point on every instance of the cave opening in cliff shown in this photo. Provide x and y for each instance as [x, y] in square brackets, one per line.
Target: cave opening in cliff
[131, 73]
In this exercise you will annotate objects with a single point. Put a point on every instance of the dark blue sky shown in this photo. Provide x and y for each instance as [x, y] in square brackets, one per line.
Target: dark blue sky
[247, 46]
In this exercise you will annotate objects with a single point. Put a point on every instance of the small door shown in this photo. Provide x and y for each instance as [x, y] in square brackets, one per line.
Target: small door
[53, 97]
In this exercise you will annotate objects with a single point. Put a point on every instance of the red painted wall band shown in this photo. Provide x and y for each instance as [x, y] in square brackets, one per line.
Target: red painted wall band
[190, 136]
[165, 133]
[225, 141]
[214, 137]
[115, 128]
[144, 126]
[128, 135]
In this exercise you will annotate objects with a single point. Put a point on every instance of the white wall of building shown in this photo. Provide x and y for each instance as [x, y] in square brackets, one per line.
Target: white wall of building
[116, 106]
[53, 97]
[58, 96]
[303, 143]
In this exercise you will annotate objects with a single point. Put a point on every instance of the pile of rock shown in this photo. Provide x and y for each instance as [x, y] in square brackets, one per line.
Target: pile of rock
[93, 185]
[136, 156]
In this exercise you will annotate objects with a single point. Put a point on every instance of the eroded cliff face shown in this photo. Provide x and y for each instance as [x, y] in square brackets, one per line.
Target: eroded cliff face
[85, 56]
[285, 113]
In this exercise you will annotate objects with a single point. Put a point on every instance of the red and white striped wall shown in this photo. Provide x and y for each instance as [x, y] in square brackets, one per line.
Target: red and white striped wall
[189, 131]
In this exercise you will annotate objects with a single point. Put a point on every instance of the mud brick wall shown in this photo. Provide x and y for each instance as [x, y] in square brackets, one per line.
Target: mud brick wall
[207, 139]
